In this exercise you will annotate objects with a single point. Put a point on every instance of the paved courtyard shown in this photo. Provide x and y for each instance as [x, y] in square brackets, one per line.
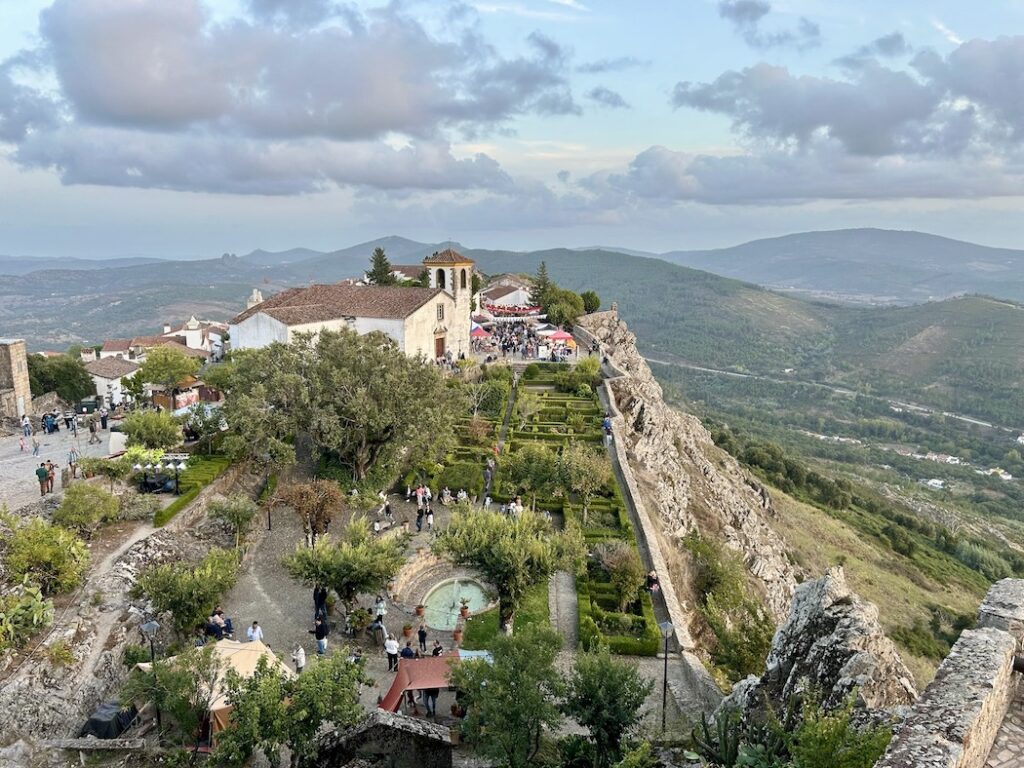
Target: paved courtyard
[18, 485]
[1008, 749]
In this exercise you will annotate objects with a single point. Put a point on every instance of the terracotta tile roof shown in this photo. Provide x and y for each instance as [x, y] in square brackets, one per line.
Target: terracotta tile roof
[498, 291]
[318, 303]
[447, 256]
[111, 367]
[412, 271]
[117, 345]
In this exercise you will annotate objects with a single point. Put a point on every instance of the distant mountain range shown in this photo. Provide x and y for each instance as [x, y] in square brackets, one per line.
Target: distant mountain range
[876, 266]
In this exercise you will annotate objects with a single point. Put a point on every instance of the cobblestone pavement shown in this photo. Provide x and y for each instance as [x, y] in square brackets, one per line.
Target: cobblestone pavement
[18, 485]
[1008, 749]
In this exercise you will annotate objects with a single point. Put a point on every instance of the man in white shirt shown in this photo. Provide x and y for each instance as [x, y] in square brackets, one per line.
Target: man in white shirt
[391, 649]
[255, 632]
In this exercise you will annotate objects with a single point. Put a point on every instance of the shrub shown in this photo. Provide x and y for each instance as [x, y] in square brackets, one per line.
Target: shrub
[48, 555]
[84, 507]
[136, 654]
[622, 562]
[478, 431]
[189, 592]
[60, 654]
[462, 475]
[532, 371]
[151, 429]
[236, 511]
[138, 506]
[23, 612]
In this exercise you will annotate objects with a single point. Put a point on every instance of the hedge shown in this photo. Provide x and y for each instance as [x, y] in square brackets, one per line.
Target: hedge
[200, 473]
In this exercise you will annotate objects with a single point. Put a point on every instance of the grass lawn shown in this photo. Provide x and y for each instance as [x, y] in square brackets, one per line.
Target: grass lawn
[900, 591]
[482, 628]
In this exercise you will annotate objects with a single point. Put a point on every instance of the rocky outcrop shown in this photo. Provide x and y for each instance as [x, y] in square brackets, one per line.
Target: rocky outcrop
[832, 643]
[685, 479]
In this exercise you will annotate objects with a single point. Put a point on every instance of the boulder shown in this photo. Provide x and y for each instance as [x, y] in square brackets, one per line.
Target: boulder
[832, 643]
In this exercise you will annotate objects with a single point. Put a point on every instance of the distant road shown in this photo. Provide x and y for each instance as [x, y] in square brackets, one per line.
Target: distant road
[917, 408]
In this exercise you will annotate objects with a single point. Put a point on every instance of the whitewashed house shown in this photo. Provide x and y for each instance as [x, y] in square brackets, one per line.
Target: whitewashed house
[108, 375]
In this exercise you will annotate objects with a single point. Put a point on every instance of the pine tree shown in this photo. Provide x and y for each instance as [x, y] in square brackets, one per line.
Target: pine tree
[380, 269]
[542, 286]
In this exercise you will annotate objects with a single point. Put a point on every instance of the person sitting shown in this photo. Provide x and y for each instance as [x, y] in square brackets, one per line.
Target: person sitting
[462, 495]
[446, 496]
[222, 621]
[652, 584]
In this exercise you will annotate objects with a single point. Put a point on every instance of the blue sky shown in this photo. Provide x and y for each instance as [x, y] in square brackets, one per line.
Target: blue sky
[186, 129]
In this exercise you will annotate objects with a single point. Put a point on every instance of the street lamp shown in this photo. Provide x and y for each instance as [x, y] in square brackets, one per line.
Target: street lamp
[666, 631]
[149, 630]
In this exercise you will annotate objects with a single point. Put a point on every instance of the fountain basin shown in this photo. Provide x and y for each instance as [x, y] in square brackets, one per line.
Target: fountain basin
[443, 602]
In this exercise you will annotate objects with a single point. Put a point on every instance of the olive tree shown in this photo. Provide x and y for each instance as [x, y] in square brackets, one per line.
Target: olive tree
[512, 553]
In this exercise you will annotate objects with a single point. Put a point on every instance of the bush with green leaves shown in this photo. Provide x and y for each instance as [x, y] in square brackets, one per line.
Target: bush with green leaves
[606, 696]
[236, 511]
[84, 507]
[151, 429]
[462, 475]
[189, 591]
[50, 556]
[138, 506]
[23, 612]
[625, 570]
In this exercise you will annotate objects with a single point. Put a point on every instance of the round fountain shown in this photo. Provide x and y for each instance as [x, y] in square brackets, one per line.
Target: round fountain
[443, 603]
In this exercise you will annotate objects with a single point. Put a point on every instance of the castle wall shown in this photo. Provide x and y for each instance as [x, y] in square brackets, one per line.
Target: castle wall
[15, 393]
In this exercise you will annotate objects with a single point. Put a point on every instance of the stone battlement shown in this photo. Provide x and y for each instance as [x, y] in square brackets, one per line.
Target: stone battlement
[961, 714]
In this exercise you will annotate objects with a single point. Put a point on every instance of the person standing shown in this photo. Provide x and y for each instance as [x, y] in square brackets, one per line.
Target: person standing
[51, 473]
[319, 601]
[382, 609]
[391, 649]
[22, 445]
[430, 520]
[419, 519]
[104, 414]
[93, 436]
[44, 478]
[35, 444]
[408, 652]
[299, 658]
[421, 633]
[26, 426]
[255, 632]
[430, 700]
[438, 648]
[319, 632]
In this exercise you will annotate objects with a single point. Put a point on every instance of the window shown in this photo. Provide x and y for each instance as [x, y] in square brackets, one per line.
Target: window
[462, 279]
[440, 311]
[441, 279]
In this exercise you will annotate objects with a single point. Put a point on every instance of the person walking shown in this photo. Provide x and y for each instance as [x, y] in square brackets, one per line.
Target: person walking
[44, 477]
[255, 632]
[391, 649]
[93, 436]
[421, 634]
[51, 473]
[319, 601]
[299, 658]
[382, 609]
[319, 632]
[419, 519]
[430, 520]
[22, 445]
[35, 444]
[430, 700]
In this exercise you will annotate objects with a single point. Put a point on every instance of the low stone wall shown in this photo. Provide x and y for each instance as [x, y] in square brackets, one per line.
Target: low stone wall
[957, 718]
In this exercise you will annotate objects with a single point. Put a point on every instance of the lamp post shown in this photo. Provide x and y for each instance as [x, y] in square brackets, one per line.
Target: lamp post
[666, 631]
[149, 630]
[176, 461]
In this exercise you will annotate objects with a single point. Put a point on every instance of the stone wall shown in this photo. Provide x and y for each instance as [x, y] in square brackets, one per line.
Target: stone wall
[15, 395]
[955, 722]
[684, 480]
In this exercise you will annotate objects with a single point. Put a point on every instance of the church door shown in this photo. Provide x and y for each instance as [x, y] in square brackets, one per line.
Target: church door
[439, 346]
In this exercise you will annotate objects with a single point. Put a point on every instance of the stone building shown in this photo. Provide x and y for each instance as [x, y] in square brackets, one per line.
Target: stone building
[422, 321]
[15, 393]
[389, 740]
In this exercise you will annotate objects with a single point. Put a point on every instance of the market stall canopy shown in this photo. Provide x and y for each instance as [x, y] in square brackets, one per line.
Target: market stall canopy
[429, 672]
[561, 336]
[479, 333]
[241, 657]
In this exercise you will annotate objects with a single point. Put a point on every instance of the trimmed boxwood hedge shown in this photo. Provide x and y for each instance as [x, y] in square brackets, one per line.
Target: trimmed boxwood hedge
[201, 471]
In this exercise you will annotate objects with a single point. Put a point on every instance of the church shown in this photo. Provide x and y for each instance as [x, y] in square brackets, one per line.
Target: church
[431, 322]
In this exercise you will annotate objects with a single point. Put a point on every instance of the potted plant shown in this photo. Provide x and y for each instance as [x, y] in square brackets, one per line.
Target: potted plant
[464, 609]
[457, 635]
[420, 610]
[407, 630]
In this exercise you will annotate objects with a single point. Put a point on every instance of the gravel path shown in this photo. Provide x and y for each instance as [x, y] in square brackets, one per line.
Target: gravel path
[562, 605]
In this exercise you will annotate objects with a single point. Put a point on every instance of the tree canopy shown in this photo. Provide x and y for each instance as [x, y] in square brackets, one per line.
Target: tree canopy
[151, 429]
[584, 471]
[361, 401]
[316, 502]
[356, 563]
[167, 367]
[380, 269]
[189, 591]
[591, 301]
[512, 553]
[510, 701]
[64, 375]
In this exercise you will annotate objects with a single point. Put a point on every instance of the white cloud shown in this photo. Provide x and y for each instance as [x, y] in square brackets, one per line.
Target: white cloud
[947, 33]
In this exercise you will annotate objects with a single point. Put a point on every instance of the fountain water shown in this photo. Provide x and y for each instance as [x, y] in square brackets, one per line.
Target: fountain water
[442, 603]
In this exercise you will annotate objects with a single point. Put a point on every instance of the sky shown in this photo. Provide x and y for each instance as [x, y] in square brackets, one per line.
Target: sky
[185, 129]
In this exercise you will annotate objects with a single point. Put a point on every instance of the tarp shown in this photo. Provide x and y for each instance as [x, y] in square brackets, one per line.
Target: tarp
[108, 721]
[417, 674]
[561, 336]
[479, 333]
[241, 657]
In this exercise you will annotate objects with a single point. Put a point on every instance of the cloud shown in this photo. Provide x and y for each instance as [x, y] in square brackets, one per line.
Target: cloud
[286, 81]
[888, 46]
[618, 64]
[746, 17]
[607, 98]
[947, 33]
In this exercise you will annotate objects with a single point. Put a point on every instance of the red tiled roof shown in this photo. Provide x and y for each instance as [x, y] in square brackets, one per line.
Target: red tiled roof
[498, 291]
[447, 256]
[111, 367]
[318, 303]
[117, 345]
[412, 271]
